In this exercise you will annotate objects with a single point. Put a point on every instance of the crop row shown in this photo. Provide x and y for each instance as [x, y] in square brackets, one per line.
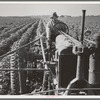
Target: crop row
[6, 34]
[7, 43]
[6, 22]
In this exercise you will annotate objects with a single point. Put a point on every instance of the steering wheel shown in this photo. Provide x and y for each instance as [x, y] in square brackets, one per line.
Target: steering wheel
[60, 26]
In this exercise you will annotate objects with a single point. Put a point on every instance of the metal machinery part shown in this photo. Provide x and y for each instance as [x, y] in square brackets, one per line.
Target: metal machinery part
[61, 26]
[67, 61]
[79, 81]
[94, 65]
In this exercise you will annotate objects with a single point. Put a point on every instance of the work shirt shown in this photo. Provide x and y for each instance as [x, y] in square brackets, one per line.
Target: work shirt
[49, 28]
[52, 32]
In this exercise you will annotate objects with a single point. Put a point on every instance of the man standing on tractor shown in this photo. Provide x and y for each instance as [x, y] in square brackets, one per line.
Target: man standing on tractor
[49, 29]
[52, 29]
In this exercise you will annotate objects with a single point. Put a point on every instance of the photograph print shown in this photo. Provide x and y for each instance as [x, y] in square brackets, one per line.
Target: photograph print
[50, 48]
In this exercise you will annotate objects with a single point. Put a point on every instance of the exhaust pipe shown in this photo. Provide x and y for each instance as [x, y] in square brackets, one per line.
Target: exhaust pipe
[83, 24]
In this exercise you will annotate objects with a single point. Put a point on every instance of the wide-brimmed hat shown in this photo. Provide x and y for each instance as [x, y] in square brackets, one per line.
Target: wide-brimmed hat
[54, 15]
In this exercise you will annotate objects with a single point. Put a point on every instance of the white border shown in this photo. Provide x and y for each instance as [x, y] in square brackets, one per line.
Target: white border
[47, 96]
[50, 2]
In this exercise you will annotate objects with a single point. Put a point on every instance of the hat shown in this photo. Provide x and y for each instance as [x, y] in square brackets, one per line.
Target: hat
[54, 15]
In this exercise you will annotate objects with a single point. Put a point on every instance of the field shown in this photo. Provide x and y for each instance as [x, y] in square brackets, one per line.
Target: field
[18, 31]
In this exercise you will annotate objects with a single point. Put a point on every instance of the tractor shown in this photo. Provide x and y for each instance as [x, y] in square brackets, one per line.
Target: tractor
[69, 64]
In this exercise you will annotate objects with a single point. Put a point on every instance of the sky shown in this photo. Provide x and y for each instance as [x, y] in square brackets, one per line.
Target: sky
[29, 9]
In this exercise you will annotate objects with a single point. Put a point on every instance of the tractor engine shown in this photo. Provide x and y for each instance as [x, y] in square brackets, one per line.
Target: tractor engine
[67, 61]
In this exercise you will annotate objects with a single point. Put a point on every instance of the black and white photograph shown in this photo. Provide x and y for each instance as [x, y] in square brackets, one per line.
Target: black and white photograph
[50, 49]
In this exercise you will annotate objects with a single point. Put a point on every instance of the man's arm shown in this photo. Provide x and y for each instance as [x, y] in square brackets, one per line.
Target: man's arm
[48, 33]
[48, 30]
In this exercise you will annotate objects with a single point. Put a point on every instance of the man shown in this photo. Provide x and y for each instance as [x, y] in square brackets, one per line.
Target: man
[51, 23]
[51, 31]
